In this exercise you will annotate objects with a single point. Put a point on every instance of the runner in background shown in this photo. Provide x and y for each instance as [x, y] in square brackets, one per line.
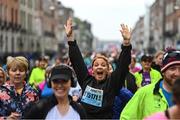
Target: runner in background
[157, 61]
[147, 75]
[38, 74]
[155, 97]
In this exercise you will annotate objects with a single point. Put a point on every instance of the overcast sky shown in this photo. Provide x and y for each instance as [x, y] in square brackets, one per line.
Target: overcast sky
[107, 15]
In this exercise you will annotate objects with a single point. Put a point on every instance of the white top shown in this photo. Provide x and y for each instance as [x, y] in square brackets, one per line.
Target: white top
[54, 114]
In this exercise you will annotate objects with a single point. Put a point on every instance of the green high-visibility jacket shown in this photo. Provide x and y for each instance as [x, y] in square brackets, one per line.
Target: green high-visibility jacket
[147, 100]
[37, 76]
[154, 75]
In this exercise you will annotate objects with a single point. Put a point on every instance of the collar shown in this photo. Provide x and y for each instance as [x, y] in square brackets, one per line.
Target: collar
[157, 87]
[8, 83]
[141, 71]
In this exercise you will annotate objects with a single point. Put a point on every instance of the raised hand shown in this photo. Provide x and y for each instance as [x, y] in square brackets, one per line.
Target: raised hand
[69, 29]
[126, 34]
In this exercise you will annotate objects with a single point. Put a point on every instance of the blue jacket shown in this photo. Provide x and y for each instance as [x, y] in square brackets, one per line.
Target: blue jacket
[120, 101]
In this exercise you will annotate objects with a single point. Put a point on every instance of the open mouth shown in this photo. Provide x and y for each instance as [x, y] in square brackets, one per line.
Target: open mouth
[99, 73]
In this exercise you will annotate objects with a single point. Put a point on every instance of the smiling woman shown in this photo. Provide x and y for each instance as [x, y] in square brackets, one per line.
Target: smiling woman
[60, 105]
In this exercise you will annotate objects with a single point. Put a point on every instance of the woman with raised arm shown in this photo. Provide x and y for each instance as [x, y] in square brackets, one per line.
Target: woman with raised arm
[100, 88]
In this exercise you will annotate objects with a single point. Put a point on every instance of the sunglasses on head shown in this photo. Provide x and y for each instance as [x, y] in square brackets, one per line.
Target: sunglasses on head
[172, 54]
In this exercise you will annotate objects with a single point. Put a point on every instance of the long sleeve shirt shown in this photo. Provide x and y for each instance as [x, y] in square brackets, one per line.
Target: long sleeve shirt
[98, 96]
[11, 101]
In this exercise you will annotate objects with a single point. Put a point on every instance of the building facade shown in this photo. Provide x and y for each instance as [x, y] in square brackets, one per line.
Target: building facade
[164, 27]
[36, 27]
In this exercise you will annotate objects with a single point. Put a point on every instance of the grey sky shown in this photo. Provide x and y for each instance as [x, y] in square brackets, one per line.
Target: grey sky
[107, 15]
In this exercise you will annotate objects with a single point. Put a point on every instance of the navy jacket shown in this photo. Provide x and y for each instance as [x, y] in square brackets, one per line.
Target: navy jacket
[120, 102]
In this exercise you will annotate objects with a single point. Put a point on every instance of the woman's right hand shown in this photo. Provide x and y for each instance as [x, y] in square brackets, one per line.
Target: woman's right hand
[69, 30]
[13, 116]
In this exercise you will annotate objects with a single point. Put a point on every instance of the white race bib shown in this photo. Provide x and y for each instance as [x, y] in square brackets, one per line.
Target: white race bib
[93, 96]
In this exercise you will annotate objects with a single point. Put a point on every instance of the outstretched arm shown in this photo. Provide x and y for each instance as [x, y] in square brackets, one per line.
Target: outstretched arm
[75, 54]
[118, 76]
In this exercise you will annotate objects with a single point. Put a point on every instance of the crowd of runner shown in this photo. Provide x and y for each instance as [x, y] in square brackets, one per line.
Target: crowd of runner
[92, 86]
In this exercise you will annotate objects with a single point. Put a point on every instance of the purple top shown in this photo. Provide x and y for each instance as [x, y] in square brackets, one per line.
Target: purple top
[146, 78]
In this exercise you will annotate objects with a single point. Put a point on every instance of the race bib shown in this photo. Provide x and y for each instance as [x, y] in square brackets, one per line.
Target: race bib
[93, 96]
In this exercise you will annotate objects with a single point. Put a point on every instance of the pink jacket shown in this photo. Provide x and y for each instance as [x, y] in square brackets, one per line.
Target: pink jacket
[157, 116]
[41, 85]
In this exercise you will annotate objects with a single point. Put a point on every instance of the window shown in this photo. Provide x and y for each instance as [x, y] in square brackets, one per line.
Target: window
[169, 8]
[1, 42]
[178, 2]
[23, 2]
[6, 44]
[30, 23]
[20, 43]
[16, 16]
[169, 26]
[0, 11]
[4, 12]
[30, 3]
[12, 15]
[12, 44]
[178, 25]
[23, 19]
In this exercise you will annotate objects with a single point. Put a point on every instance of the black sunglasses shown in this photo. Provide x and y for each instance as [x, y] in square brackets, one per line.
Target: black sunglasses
[172, 54]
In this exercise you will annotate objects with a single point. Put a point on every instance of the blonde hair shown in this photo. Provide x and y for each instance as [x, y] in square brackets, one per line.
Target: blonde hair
[100, 56]
[158, 53]
[17, 61]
